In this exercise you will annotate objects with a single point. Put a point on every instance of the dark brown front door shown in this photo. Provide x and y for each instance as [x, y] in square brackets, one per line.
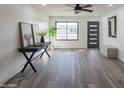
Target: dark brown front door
[93, 34]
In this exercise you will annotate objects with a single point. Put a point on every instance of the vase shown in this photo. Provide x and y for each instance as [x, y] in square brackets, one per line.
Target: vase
[42, 40]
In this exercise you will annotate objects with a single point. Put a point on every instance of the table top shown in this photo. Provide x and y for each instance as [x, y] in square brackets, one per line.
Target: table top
[34, 48]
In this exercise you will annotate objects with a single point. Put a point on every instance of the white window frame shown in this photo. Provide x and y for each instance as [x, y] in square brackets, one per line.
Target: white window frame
[66, 30]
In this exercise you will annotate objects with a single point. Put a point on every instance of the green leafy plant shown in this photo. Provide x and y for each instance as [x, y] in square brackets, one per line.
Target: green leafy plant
[52, 31]
[42, 34]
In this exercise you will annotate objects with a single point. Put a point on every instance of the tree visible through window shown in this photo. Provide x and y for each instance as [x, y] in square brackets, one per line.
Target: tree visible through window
[67, 30]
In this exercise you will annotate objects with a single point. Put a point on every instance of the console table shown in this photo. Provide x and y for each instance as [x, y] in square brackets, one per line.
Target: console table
[33, 49]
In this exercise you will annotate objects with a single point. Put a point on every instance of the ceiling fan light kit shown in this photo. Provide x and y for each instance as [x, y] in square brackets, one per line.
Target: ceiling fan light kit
[76, 11]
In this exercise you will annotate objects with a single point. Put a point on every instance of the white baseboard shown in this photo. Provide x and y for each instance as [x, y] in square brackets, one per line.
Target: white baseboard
[10, 74]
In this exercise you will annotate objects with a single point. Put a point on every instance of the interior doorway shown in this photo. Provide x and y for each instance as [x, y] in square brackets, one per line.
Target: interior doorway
[93, 34]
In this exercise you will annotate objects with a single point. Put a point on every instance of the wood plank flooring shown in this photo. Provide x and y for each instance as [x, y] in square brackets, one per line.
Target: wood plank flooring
[72, 68]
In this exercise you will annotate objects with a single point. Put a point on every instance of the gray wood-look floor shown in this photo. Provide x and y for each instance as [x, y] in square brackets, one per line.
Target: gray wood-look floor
[72, 68]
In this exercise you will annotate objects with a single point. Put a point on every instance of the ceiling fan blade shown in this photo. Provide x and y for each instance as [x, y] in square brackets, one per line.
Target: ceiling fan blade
[87, 10]
[86, 6]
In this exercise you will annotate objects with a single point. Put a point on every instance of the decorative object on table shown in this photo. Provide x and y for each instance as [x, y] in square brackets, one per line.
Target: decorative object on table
[35, 30]
[26, 34]
[112, 26]
[52, 33]
[27, 37]
[42, 34]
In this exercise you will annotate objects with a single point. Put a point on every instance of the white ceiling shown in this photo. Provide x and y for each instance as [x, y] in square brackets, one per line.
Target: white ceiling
[61, 9]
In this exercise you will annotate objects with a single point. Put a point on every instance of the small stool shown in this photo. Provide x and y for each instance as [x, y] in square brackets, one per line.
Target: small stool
[112, 52]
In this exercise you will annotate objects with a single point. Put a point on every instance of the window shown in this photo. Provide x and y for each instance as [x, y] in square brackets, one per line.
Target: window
[67, 30]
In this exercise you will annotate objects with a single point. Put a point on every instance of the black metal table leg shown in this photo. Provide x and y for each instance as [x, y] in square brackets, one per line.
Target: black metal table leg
[42, 53]
[28, 62]
[45, 50]
[24, 67]
[32, 67]
[47, 53]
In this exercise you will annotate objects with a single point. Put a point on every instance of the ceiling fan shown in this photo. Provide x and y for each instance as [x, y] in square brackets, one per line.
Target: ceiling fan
[77, 8]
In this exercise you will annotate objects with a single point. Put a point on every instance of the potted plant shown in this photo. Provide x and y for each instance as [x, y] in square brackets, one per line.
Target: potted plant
[52, 33]
[42, 34]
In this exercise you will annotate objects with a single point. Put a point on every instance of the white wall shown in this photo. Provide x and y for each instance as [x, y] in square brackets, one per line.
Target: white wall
[11, 61]
[82, 42]
[115, 42]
